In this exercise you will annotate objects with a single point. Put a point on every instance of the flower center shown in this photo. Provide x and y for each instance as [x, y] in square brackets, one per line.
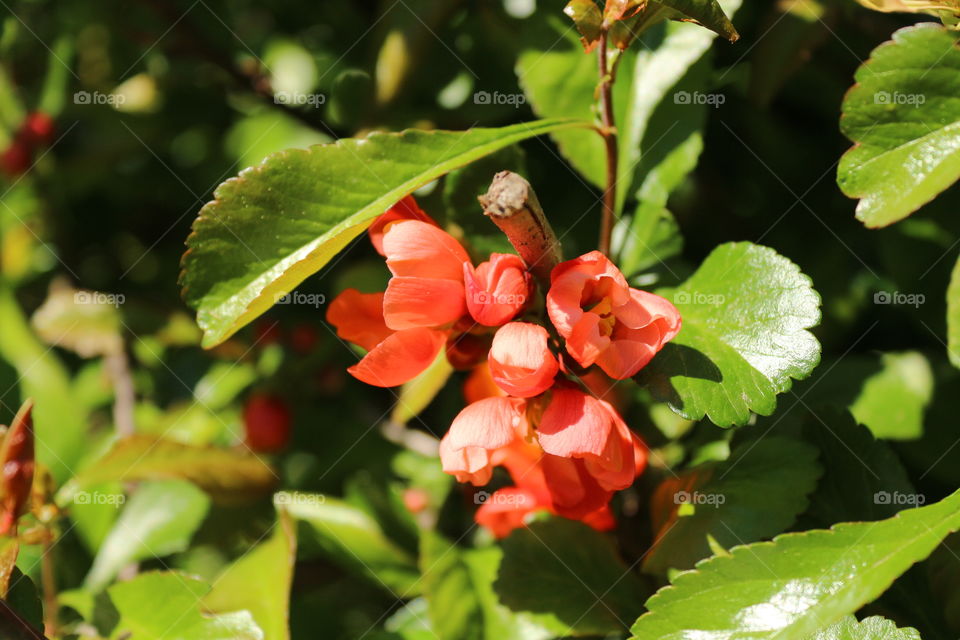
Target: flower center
[604, 309]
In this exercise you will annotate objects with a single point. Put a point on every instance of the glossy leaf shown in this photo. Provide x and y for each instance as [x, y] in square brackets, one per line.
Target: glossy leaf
[227, 475]
[354, 540]
[159, 519]
[872, 628]
[903, 117]
[746, 314]
[798, 584]
[755, 494]
[167, 605]
[277, 223]
[599, 594]
[260, 580]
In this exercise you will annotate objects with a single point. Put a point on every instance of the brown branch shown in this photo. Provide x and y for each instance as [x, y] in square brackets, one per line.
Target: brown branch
[609, 133]
[513, 206]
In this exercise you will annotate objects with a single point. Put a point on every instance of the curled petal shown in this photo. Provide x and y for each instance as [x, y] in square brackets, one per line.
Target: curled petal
[358, 318]
[477, 432]
[497, 289]
[422, 302]
[419, 249]
[574, 425]
[505, 510]
[520, 360]
[399, 358]
[406, 209]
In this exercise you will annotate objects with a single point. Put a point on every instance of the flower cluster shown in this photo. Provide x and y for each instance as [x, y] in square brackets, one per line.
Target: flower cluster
[534, 399]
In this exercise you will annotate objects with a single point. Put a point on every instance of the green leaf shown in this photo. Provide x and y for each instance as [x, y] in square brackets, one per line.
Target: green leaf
[745, 312]
[353, 539]
[417, 394]
[260, 580]
[799, 583]
[227, 475]
[57, 420]
[892, 401]
[454, 610]
[903, 117]
[275, 224]
[166, 605]
[706, 13]
[86, 322]
[953, 316]
[160, 519]
[858, 471]
[559, 80]
[595, 592]
[588, 20]
[24, 599]
[872, 628]
[648, 238]
[755, 494]
[461, 601]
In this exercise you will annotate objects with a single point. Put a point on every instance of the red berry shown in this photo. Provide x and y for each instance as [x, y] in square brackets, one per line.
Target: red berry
[16, 159]
[303, 338]
[38, 129]
[267, 422]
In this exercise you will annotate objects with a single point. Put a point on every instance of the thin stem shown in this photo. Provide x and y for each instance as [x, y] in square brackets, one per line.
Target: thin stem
[49, 580]
[609, 133]
[125, 398]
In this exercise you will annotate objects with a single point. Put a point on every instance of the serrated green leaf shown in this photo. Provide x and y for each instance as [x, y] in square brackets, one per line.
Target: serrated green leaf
[746, 314]
[227, 475]
[259, 582]
[872, 628]
[755, 494]
[277, 223]
[799, 583]
[903, 117]
[353, 539]
[595, 594]
[159, 519]
[166, 605]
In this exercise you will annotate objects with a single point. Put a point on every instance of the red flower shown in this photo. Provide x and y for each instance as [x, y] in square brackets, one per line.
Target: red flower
[520, 361]
[603, 320]
[497, 289]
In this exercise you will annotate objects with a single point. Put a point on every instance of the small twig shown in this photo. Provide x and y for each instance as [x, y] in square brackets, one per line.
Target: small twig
[124, 397]
[609, 133]
[513, 206]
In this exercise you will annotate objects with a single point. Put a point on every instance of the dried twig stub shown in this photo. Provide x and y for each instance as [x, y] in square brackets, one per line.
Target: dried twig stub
[513, 206]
